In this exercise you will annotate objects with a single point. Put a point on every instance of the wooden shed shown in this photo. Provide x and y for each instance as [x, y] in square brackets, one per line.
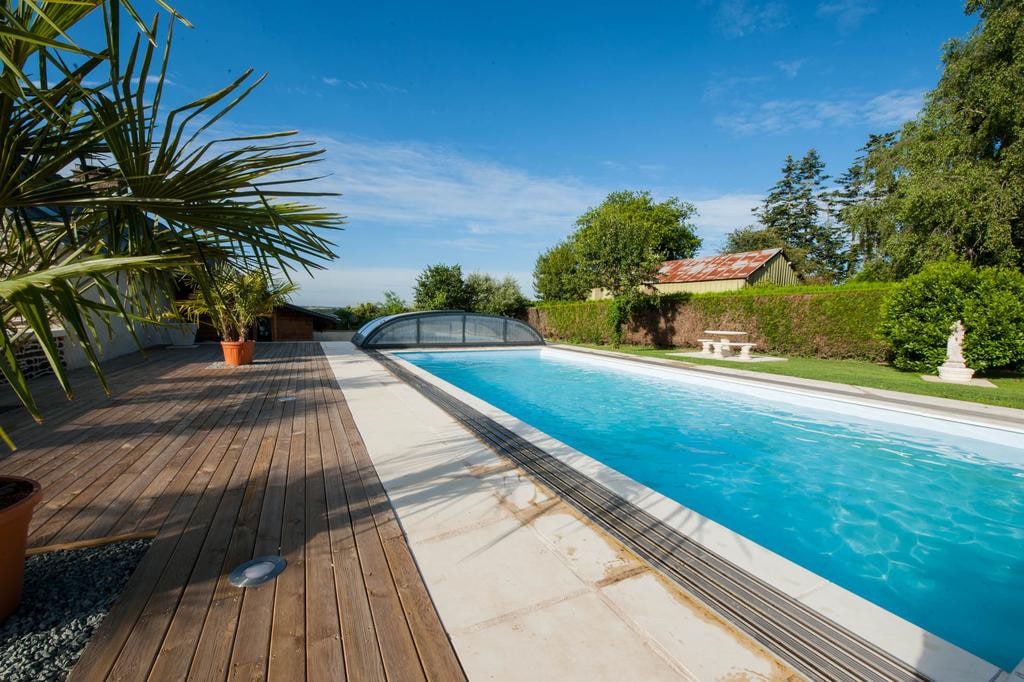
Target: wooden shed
[726, 272]
[287, 323]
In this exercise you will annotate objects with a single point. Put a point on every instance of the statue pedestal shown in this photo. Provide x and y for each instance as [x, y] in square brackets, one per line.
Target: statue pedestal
[957, 375]
[956, 372]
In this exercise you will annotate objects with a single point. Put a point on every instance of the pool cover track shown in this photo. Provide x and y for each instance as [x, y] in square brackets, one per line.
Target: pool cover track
[807, 640]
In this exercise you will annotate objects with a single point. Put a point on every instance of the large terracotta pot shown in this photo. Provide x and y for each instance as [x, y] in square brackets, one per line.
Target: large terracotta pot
[18, 497]
[235, 353]
[249, 351]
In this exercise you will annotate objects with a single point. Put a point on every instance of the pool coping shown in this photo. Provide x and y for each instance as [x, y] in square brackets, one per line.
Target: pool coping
[881, 629]
[1009, 418]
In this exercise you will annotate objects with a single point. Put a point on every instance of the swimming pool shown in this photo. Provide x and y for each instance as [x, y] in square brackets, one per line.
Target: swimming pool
[920, 516]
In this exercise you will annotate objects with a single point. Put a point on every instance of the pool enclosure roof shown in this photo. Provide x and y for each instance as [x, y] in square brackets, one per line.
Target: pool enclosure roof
[445, 328]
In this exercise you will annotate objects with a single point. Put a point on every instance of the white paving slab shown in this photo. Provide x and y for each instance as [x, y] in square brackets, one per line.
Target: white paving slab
[526, 587]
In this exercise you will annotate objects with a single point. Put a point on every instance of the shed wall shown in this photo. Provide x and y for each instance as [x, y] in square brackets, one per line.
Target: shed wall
[776, 271]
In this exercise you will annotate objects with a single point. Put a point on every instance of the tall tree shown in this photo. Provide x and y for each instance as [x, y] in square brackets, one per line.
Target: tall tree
[557, 276]
[857, 203]
[795, 211]
[441, 287]
[622, 243]
[781, 209]
[956, 172]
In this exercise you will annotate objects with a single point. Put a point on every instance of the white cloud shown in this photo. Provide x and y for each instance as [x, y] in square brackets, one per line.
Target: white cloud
[848, 14]
[894, 106]
[721, 85]
[721, 215]
[387, 88]
[427, 186]
[779, 116]
[790, 68]
[738, 18]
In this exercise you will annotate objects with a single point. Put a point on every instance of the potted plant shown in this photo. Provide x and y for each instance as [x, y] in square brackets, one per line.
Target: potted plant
[18, 497]
[233, 300]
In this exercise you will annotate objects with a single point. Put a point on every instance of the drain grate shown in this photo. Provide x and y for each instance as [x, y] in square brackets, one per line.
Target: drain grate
[809, 642]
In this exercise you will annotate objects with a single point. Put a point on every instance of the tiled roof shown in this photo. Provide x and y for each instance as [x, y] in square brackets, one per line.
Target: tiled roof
[709, 268]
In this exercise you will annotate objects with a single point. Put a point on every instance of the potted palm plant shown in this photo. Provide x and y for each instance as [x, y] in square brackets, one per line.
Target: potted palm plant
[233, 300]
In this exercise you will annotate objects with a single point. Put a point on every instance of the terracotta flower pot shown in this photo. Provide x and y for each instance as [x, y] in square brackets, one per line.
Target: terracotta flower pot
[18, 497]
[235, 353]
[250, 349]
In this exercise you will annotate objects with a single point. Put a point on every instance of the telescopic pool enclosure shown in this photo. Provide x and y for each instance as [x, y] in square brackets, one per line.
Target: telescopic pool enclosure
[445, 328]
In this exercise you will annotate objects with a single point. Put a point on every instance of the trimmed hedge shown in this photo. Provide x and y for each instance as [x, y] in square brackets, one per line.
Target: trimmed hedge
[823, 322]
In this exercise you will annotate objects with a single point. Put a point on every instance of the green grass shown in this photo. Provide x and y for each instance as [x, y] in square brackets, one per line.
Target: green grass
[1009, 391]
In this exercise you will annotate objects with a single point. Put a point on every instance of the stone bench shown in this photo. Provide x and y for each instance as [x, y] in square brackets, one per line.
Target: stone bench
[721, 348]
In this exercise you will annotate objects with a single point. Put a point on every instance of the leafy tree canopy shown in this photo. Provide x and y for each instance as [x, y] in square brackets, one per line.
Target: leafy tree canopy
[557, 276]
[355, 316]
[952, 181]
[495, 297]
[752, 238]
[622, 243]
[441, 287]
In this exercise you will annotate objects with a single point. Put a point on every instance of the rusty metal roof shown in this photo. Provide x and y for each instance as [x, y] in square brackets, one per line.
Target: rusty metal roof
[709, 268]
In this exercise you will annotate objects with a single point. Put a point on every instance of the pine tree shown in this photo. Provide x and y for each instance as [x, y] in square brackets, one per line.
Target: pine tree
[779, 209]
[856, 200]
[795, 211]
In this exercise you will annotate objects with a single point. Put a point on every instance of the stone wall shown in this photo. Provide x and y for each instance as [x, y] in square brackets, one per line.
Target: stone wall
[32, 360]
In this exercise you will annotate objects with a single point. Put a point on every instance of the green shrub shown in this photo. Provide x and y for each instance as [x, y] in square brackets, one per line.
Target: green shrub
[994, 318]
[918, 315]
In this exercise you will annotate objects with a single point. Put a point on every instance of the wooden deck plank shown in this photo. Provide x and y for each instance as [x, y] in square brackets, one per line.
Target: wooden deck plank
[210, 461]
[288, 635]
[213, 653]
[251, 650]
[324, 660]
[104, 445]
[111, 429]
[115, 481]
[361, 651]
[128, 377]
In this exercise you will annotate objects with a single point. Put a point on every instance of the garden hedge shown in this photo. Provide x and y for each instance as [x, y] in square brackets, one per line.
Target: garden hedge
[824, 322]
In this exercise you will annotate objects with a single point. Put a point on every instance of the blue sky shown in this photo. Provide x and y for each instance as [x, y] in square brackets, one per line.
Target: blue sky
[474, 133]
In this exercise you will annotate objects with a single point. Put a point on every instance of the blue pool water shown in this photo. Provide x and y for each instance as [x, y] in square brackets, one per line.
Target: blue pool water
[926, 525]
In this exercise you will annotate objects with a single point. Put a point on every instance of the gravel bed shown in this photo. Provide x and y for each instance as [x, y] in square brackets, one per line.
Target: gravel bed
[66, 595]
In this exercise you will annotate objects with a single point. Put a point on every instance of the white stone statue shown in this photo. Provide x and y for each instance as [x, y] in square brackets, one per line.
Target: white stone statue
[954, 368]
[955, 343]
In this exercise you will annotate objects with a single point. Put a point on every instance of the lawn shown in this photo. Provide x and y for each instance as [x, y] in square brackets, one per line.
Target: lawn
[1009, 391]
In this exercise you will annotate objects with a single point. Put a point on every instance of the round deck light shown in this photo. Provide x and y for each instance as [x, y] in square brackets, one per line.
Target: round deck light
[257, 571]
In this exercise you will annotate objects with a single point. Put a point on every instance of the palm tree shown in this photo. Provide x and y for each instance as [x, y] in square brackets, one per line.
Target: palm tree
[236, 299]
[150, 195]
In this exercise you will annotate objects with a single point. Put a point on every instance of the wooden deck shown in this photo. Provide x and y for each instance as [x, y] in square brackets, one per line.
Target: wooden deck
[211, 461]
